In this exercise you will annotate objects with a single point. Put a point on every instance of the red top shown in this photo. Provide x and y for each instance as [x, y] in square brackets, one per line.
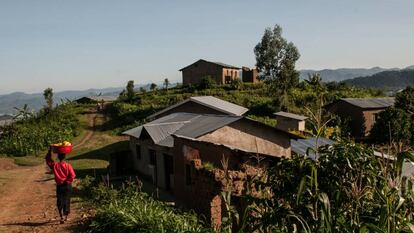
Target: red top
[63, 171]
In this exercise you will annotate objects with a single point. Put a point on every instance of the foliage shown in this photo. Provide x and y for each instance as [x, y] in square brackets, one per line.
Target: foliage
[153, 87]
[130, 90]
[392, 126]
[34, 134]
[48, 95]
[166, 84]
[275, 59]
[128, 210]
[206, 83]
[389, 80]
[346, 189]
[405, 100]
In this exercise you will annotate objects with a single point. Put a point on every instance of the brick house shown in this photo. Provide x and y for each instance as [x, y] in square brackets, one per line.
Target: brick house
[221, 73]
[250, 75]
[158, 152]
[361, 113]
[202, 105]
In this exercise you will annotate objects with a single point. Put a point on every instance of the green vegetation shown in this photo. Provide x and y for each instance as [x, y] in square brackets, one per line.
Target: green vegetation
[35, 132]
[392, 126]
[275, 60]
[129, 210]
[388, 80]
[125, 115]
[347, 189]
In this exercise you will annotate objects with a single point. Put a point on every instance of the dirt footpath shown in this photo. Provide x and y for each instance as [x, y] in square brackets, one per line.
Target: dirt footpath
[28, 203]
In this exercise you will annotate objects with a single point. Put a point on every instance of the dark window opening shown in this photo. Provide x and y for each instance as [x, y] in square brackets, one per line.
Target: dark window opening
[138, 151]
[187, 174]
[153, 158]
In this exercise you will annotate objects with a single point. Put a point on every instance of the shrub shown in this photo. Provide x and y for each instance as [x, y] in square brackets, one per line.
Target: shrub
[132, 211]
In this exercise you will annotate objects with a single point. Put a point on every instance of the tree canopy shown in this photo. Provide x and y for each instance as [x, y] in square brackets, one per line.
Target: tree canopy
[405, 100]
[275, 60]
[392, 125]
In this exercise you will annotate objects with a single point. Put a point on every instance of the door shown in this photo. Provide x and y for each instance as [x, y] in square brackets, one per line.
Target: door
[169, 171]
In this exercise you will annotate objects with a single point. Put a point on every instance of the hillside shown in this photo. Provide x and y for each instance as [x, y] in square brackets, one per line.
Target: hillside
[35, 101]
[342, 74]
[387, 80]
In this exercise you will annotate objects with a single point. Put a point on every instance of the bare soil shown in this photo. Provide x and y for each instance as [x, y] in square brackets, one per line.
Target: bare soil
[28, 202]
[28, 198]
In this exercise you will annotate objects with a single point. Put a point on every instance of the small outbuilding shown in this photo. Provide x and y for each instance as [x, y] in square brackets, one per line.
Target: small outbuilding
[290, 122]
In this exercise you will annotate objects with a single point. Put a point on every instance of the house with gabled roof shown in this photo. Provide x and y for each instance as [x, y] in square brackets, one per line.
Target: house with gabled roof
[361, 113]
[203, 105]
[220, 72]
[162, 149]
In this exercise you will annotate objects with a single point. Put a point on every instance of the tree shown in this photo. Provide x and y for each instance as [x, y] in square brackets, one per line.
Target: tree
[130, 90]
[206, 83]
[405, 100]
[275, 60]
[392, 126]
[166, 83]
[48, 95]
[153, 87]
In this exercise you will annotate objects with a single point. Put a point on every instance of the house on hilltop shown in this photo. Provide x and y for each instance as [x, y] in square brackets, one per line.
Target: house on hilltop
[219, 72]
[203, 105]
[250, 75]
[361, 112]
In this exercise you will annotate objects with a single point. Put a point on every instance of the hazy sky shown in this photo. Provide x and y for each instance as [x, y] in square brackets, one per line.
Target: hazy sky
[69, 44]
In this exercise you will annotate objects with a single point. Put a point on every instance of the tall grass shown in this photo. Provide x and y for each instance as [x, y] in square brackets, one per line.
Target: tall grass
[128, 210]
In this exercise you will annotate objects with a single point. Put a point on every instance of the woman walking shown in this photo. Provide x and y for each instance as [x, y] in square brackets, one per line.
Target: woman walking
[64, 176]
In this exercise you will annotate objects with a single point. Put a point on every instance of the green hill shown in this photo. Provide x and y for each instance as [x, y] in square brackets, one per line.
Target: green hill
[387, 80]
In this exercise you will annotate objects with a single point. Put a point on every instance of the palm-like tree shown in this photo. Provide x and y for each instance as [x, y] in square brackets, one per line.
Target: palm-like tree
[166, 83]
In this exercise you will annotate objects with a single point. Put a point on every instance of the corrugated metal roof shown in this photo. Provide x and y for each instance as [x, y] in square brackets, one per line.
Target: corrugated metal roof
[210, 102]
[185, 124]
[220, 105]
[291, 115]
[205, 124]
[300, 146]
[371, 102]
[217, 63]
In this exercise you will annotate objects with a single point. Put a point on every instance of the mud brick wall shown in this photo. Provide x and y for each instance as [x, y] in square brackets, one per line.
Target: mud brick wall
[208, 185]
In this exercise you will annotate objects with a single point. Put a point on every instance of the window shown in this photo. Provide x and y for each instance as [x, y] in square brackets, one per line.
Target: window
[138, 151]
[187, 174]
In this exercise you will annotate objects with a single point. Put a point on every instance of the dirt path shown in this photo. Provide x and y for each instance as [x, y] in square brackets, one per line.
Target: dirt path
[27, 203]
[89, 134]
[27, 197]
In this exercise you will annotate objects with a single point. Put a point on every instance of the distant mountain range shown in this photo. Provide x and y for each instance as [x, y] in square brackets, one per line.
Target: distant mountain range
[35, 101]
[342, 74]
[387, 80]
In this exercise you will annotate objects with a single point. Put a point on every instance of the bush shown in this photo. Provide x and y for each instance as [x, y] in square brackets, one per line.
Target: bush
[132, 211]
[34, 134]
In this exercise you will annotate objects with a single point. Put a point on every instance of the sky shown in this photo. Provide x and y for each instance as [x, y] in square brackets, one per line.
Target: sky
[81, 44]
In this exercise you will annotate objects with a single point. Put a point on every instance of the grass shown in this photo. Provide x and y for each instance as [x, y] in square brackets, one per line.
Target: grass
[29, 160]
[91, 158]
